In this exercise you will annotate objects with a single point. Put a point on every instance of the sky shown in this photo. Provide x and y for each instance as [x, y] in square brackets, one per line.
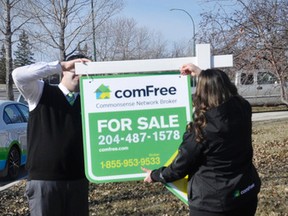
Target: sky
[175, 26]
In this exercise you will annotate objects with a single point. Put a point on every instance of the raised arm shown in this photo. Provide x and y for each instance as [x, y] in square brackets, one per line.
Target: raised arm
[190, 69]
[28, 79]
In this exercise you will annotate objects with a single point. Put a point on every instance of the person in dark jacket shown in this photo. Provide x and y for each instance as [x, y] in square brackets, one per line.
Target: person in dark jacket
[216, 152]
[55, 160]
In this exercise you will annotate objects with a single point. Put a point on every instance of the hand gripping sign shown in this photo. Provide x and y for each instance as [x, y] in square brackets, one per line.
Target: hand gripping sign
[135, 114]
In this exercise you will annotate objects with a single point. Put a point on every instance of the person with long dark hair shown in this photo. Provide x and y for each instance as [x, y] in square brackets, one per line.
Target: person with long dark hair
[216, 152]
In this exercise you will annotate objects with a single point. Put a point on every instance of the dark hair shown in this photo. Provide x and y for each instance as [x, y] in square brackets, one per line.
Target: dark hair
[75, 56]
[213, 88]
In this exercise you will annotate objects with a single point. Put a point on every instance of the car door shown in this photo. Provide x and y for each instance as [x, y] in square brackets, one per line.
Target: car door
[268, 88]
[247, 87]
[15, 117]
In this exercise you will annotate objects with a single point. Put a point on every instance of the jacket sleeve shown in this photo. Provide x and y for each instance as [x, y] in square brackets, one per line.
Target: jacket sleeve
[185, 163]
[28, 79]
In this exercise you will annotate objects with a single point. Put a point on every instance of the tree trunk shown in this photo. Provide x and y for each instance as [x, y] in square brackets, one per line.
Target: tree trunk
[8, 50]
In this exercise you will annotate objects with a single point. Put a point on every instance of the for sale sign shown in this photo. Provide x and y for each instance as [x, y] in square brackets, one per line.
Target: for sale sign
[132, 121]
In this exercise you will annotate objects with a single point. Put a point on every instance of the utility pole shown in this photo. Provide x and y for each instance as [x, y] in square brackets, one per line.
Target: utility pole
[93, 30]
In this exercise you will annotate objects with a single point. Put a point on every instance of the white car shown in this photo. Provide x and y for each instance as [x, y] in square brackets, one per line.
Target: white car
[259, 87]
[13, 138]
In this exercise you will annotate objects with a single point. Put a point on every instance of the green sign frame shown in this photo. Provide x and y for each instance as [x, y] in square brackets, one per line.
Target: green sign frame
[132, 121]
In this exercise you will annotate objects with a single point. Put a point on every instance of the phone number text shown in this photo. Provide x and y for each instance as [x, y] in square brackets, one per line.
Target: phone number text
[132, 162]
[139, 137]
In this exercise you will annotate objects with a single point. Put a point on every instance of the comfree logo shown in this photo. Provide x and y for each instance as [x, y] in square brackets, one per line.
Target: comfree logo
[238, 193]
[147, 91]
[103, 92]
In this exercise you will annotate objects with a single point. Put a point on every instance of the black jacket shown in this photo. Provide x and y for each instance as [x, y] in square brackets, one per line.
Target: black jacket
[220, 171]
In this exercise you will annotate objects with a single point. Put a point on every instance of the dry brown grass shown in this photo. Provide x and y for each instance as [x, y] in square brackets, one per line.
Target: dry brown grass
[270, 141]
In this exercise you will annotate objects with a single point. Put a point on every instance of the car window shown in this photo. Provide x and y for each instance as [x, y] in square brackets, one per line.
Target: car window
[6, 118]
[247, 79]
[24, 111]
[266, 78]
[12, 115]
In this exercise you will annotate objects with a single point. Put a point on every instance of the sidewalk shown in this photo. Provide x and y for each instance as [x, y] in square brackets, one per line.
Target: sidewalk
[269, 116]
